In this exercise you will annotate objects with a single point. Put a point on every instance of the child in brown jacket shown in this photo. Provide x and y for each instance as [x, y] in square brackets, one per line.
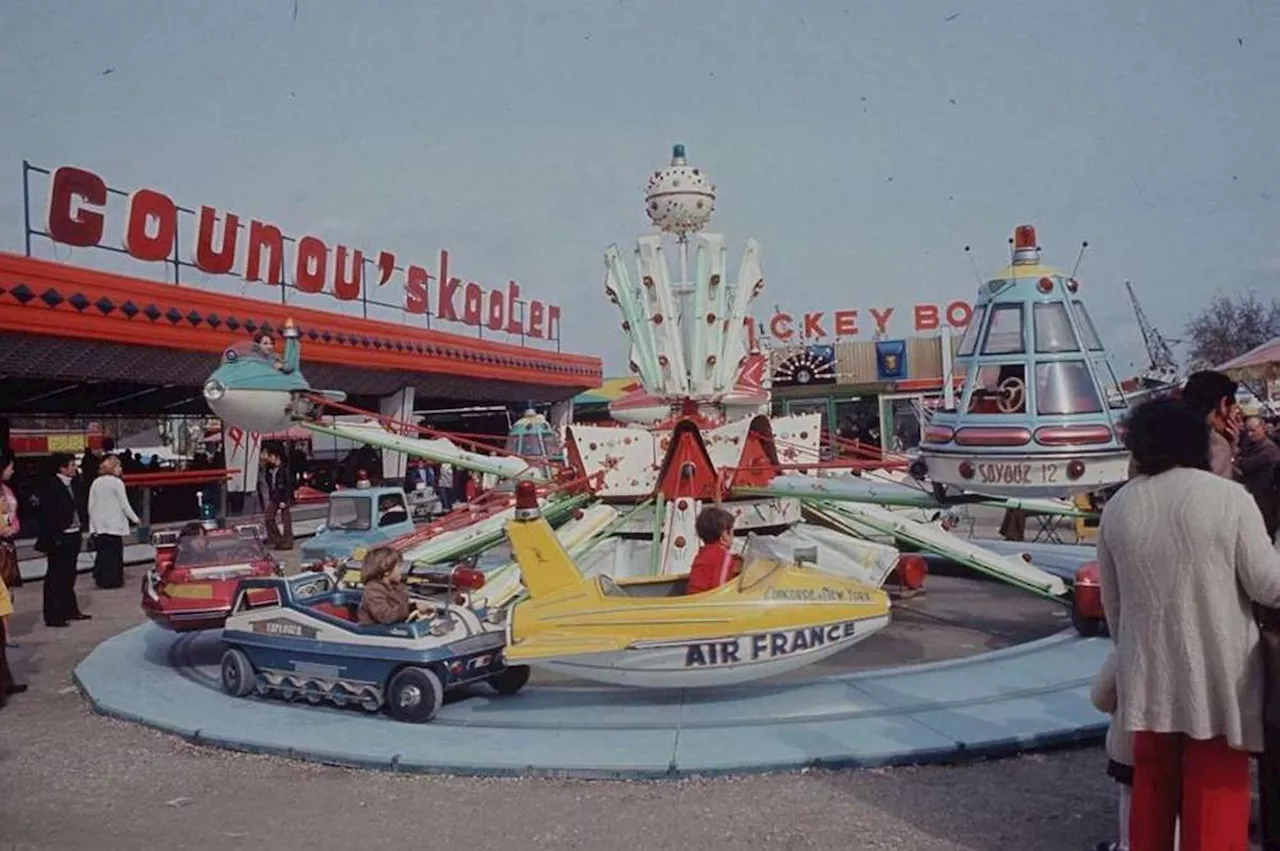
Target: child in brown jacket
[385, 600]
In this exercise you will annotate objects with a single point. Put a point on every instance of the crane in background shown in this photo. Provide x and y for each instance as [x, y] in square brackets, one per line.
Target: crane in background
[1163, 366]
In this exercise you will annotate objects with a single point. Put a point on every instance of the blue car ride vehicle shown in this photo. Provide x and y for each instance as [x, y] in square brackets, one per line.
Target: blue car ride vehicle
[297, 637]
[359, 519]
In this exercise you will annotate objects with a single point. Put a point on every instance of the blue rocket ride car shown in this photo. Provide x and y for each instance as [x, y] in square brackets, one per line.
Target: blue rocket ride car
[359, 519]
[258, 390]
[297, 637]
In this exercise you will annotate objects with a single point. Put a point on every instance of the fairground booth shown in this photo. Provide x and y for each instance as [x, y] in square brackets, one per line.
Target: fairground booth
[124, 300]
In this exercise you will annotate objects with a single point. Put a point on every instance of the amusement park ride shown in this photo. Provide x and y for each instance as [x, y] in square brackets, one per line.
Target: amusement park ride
[1041, 409]
[607, 529]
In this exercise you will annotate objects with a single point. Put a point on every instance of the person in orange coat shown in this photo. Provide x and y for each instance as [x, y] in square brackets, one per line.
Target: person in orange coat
[715, 564]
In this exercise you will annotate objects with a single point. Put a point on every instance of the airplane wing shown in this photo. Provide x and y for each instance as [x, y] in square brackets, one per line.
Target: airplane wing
[1009, 569]
[887, 493]
[441, 450]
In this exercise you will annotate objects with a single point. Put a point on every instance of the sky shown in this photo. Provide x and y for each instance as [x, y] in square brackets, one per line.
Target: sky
[863, 144]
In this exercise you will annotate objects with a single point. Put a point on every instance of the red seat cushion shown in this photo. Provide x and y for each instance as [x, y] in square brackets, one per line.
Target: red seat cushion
[335, 611]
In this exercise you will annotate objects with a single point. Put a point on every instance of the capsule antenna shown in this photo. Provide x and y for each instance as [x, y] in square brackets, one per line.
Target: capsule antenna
[976, 274]
[1079, 257]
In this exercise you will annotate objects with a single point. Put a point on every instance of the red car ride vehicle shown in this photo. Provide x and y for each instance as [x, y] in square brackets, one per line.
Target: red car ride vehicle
[193, 583]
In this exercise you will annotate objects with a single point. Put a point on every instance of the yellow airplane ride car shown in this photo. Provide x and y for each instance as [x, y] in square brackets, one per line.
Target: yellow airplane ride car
[775, 617]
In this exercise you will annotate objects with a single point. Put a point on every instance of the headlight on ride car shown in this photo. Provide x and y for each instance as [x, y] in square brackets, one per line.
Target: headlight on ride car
[214, 390]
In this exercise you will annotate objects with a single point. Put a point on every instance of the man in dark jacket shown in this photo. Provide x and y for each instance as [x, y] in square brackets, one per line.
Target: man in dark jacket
[275, 491]
[1258, 468]
[62, 523]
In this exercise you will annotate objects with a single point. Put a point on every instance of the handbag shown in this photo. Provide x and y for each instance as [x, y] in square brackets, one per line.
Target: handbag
[9, 572]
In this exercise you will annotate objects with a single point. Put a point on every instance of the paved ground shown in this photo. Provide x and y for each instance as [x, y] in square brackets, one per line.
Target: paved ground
[70, 780]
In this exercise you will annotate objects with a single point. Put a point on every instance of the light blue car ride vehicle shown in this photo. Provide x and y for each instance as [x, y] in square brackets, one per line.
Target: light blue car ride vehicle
[359, 519]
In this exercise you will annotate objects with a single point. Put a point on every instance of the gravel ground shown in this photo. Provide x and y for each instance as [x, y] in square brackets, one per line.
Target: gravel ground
[70, 779]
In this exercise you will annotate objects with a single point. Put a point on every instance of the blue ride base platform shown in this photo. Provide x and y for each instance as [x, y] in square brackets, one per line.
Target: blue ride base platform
[1020, 698]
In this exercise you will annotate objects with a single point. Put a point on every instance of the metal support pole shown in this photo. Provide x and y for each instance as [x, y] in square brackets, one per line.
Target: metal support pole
[145, 528]
[177, 262]
[659, 521]
[26, 206]
[948, 383]
[364, 287]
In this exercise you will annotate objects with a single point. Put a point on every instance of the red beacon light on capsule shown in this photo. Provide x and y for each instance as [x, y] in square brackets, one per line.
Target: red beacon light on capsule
[527, 501]
[362, 479]
[1024, 236]
[1025, 249]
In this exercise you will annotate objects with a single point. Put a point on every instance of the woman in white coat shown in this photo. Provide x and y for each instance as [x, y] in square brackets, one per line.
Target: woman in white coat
[1181, 553]
[109, 517]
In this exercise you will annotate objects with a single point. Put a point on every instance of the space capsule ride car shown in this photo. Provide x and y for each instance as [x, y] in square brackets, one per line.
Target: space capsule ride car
[1040, 411]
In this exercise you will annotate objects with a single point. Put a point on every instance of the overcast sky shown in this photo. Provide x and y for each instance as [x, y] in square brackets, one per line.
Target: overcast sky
[863, 143]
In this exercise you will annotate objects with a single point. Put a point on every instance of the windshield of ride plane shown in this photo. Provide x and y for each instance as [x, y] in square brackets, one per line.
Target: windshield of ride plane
[206, 550]
[349, 513]
[761, 558]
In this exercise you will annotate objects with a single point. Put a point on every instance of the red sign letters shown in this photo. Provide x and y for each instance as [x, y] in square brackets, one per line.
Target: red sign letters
[77, 216]
[853, 323]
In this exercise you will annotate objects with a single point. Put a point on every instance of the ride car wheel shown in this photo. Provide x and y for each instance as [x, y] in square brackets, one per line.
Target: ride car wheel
[511, 680]
[414, 695]
[237, 673]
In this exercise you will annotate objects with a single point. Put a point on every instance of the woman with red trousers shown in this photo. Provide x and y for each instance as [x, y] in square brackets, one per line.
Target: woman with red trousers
[1181, 554]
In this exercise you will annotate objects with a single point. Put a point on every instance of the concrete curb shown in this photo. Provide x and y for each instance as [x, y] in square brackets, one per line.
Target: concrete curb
[1030, 697]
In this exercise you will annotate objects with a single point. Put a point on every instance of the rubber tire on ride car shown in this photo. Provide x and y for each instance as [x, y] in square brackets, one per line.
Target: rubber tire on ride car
[511, 680]
[237, 673]
[414, 695]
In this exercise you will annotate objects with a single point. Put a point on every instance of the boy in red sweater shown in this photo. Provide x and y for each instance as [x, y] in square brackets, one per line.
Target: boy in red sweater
[715, 564]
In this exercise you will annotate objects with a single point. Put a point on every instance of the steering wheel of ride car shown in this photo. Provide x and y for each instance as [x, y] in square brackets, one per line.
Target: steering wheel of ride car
[1013, 391]
[422, 614]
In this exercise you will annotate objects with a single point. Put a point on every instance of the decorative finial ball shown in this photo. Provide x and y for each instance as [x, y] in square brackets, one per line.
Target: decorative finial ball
[679, 199]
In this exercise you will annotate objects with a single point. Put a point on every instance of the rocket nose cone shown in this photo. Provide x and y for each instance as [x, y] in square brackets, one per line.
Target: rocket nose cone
[214, 390]
[252, 410]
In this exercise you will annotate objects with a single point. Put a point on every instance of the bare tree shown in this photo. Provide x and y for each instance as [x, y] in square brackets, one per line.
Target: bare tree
[1230, 326]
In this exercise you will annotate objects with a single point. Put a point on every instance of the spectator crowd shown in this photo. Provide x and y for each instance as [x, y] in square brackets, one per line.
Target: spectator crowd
[1190, 573]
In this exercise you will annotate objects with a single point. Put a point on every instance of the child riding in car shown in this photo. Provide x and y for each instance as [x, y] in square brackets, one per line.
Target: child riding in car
[193, 543]
[715, 564]
[385, 599]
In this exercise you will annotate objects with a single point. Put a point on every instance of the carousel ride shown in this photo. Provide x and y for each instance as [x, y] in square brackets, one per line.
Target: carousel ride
[577, 566]
[698, 432]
